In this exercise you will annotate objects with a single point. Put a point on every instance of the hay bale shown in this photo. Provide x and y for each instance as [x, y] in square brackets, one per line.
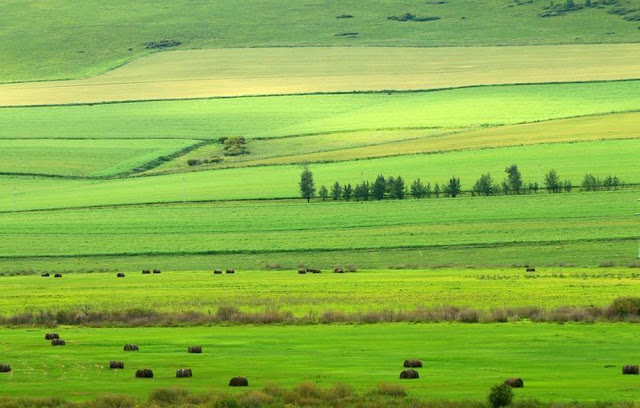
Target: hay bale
[184, 373]
[5, 368]
[302, 271]
[530, 269]
[217, 272]
[131, 347]
[409, 375]
[157, 271]
[338, 270]
[116, 365]
[144, 373]
[239, 382]
[412, 363]
[514, 382]
[51, 336]
[194, 349]
[630, 369]
[146, 272]
[57, 275]
[45, 275]
[120, 275]
[58, 342]
[231, 271]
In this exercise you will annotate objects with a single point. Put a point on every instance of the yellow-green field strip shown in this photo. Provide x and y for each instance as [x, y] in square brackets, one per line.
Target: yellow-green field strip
[273, 71]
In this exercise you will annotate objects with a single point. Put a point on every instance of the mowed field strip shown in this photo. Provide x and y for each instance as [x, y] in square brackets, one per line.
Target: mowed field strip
[571, 362]
[364, 291]
[277, 116]
[269, 71]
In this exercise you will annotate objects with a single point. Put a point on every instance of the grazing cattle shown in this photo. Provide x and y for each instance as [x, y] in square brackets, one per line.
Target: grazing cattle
[514, 382]
[409, 375]
[239, 382]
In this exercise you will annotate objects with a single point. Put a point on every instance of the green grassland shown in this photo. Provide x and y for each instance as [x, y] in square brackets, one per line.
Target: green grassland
[571, 160]
[562, 363]
[235, 72]
[83, 157]
[383, 143]
[263, 117]
[71, 41]
[438, 231]
[302, 295]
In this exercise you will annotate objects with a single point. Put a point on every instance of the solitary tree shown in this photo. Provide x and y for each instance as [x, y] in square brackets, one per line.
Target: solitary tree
[323, 193]
[336, 191]
[453, 188]
[484, 185]
[347, 191]
[552, 182]
[514, 179]
[378, 188]
[307, 188]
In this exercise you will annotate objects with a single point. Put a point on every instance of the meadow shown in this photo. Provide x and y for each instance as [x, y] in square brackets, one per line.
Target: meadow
[83, 157]
[243, 71]
[461, 361]
[277, 116]
[73, 42]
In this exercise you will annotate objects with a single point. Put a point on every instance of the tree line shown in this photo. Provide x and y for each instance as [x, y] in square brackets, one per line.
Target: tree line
[396, 187]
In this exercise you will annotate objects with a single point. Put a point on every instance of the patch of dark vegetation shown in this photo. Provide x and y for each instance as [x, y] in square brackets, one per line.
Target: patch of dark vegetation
[621, 11]
[162, 159]
[632, 17]
[234, 146]
[210, 160]
[344, 16]
[623, 309]
[560, 9]
[520, 3]
[347, 34]
[161, 44]
[437, 2]
[412, 17]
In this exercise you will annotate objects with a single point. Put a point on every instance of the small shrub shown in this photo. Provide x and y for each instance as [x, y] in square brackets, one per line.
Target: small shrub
[625, 306]
[194, 162]
[115, 401]
[392, 390]
[161, 44]
[344, 16]
[500, 395]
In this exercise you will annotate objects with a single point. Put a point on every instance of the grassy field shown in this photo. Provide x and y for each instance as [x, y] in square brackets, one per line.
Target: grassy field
[438, 231]
[571, 160]
[263, 117]
[371, 144]
[83, 157]
[461, 361]
[234, 72]
[71, 41]
[303, 295]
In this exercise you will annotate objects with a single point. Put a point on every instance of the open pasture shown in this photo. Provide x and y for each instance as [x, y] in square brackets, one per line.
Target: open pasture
[83, 157]
[383, 143]
[272, 71]
[310, 296]
[68, 41]
[561, 363]
[571, 160]
[264, 117]
[290, 233]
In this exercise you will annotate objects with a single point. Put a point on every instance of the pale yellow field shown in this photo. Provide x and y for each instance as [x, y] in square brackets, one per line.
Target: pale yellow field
[383, 143]
[259, 71]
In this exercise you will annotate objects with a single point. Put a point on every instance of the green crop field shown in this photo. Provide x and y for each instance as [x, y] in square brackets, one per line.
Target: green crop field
[234, 72]
[69, 41]
[563, 363]
[83, 157]
[263, 117]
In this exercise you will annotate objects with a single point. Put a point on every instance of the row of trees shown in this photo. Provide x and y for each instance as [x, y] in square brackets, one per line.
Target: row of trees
[396, 188]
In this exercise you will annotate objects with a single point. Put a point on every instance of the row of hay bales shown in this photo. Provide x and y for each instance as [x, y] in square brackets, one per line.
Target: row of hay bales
[338, 269]
[219, 271]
